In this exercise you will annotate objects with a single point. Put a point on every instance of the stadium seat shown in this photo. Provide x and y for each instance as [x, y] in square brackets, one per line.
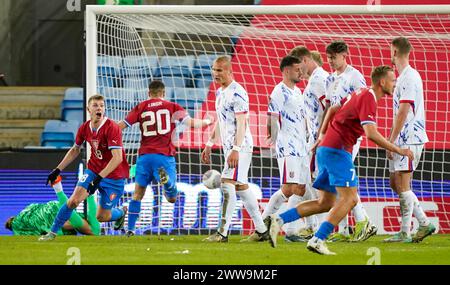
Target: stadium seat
[73, 114]
[202, 72]
[190, 98]
[109, 65]
[203, 82]
[180, 66]
[139, 66]
[174, 81]
[59, 133]
[136, 83]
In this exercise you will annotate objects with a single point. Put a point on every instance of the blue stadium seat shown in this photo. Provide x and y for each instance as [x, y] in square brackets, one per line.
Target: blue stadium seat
[180, 66]
[59, 133]
[139, 66]
[105, 81]
[190, 98]
[136, 83]
[109, 65]
[174, 81]
[72, 106]
[203, 82]
[73, 114]
[73, 94]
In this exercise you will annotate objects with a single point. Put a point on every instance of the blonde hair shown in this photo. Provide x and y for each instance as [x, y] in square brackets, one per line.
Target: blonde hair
[96, 97]
[317, 57]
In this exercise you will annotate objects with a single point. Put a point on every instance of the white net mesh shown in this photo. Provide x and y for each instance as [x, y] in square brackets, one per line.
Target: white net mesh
[179, 49]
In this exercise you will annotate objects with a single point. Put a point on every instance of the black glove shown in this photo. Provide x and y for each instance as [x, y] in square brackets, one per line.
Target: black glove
[53, 175]
[93, 186]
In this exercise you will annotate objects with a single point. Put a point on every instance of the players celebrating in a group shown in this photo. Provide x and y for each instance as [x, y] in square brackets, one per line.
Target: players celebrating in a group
[341, 83]
[286, 127]
[342, 126]
[232, 107]
[157, 120]
[106, 170]
[408, 131]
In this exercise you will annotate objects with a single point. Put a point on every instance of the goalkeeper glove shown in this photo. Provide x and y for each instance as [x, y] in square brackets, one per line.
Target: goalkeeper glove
[53, 175]
[93, 186]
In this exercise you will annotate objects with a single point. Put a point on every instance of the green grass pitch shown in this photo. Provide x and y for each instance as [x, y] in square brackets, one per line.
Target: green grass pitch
[184, 250]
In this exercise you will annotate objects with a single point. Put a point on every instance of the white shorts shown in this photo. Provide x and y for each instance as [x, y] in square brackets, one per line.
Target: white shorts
[402, 163]
[294, 169]
[240, 173]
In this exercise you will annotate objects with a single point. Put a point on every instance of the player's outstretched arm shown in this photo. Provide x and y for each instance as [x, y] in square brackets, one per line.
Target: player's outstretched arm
[70, 156]
[198, 123]
[373, 135]
[122, 125]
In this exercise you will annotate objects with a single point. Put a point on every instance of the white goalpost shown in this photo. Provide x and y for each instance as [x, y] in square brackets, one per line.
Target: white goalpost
[128, 46]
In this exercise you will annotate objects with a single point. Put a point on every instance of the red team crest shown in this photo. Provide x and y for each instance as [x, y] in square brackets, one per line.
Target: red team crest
[112, 196]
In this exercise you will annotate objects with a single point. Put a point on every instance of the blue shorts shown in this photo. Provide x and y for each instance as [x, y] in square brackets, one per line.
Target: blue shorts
[111, 190]
[335, 169]
[147, 167]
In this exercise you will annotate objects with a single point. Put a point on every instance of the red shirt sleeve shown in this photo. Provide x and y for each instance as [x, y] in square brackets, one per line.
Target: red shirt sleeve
[133, 116]
[367, 109]
[114, 136]
[79, 140]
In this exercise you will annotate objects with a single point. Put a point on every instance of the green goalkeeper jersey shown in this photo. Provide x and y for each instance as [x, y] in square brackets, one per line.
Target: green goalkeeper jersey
[36, 219]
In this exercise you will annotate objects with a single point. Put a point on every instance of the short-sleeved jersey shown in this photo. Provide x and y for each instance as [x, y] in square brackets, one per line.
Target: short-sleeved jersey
[102, 140]
[315, 96]
[230, 102]
[357, 110]
[342, 85]
[288, 105]
[157, 121]
[409, 89]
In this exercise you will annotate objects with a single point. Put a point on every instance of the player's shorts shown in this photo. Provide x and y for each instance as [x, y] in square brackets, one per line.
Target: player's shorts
[110, 190]
[335, 169]
[294, 169]
[147, 167]
[403, 163]
[240, 173]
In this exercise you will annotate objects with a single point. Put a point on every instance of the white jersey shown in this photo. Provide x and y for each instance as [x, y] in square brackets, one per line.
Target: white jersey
[315, 95]
[231, 101]
[409, 89]
[288, 105]
[342, 85]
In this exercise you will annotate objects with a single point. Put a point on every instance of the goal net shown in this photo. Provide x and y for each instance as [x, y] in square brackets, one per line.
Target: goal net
[127, 47]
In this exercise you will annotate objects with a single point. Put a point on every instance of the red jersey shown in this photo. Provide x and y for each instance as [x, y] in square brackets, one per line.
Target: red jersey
[156, 119]
[108, 136]
[358, 109]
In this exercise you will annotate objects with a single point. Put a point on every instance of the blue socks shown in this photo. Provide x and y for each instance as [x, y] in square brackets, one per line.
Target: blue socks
[290, 215]
[116, 214]
[133, 214]
[62, 217]
[325, 229]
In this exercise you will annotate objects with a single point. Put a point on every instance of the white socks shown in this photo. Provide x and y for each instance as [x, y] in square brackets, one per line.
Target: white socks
[228, 206]
[57, 187]
[251, 204]
[409, 204]
[359, 212]
[293, 227]
[275, 202]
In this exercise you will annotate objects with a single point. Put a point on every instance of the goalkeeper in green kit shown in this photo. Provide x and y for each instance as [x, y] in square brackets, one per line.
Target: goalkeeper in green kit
[37, 219]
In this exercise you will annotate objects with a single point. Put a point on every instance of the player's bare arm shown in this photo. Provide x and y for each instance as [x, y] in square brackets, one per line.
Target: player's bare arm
[373, 135]
[122, 125]
[206, 154]
[113, 163]
[272, 128]
[323, 128]
[233, 158]
[398, 124]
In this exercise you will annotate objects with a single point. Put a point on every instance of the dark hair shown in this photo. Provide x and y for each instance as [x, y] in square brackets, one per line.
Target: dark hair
[337, 47]
[402, 44]
[379, 72]
[300, 52]
[155, 87]
[288, 61]
[8, 224]
[96, 97]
